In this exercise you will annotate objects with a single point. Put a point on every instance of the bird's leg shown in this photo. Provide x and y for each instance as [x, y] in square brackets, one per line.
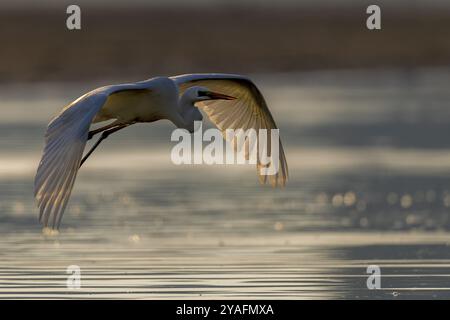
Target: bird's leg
[104, 135]
[94, 132]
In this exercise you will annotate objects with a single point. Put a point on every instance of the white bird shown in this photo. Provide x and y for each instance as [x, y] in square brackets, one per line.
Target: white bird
[239, 105]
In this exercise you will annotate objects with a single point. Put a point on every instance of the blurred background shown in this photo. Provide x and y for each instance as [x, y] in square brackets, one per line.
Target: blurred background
[364, 120]
[138, 39]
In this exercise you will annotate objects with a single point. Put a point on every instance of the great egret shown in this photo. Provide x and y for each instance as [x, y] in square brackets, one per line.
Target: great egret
[230, 101]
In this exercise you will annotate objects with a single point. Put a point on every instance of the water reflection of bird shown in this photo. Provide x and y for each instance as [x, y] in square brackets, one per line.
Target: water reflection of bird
[238, 105]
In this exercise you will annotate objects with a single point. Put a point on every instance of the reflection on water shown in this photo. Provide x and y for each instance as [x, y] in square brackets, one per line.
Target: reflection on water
[369, 166]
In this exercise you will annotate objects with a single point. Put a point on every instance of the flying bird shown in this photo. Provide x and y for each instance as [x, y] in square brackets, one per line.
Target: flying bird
[229, 101]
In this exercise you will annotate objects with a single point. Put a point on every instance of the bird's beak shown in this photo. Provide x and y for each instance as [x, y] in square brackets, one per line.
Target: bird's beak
[219, 96]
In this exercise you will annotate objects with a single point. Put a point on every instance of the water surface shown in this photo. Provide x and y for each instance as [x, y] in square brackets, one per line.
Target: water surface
[369, 185]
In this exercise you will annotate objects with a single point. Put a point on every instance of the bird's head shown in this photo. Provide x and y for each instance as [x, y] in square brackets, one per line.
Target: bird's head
[189, 112]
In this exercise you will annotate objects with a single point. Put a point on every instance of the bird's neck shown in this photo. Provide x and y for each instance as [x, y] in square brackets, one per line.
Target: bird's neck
[182, 118]
[186, 109]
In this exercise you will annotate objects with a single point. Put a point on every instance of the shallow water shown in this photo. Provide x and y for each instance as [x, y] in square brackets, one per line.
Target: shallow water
[369, 168]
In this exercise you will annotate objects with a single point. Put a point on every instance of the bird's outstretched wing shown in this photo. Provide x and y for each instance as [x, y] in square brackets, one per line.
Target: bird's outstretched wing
[249, 110]
[64, 144]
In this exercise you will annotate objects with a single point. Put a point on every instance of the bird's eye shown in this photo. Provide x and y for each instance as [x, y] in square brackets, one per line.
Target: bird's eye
[202, 93]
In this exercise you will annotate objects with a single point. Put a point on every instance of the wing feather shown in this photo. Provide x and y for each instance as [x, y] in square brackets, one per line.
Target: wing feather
[65, 140]
[249, 110]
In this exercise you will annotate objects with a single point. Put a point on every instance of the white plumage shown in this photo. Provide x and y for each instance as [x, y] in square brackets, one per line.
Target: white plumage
[230, 101]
